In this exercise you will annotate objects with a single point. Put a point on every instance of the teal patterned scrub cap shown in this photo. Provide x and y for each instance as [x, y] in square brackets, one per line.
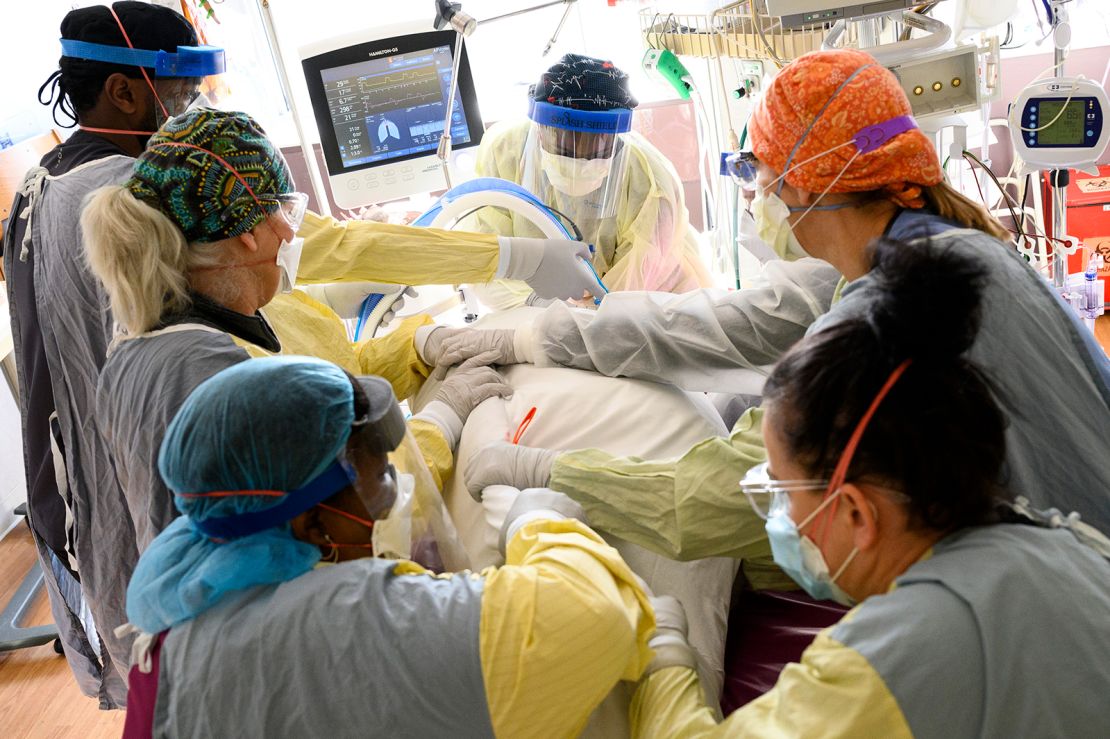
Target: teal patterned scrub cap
[208, 171]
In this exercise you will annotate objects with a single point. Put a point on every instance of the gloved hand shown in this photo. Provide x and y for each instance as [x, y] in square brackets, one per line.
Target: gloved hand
[502, 463]
[672, 649]
[397, 306]
[346, 298]
[460, 394]
[536, 504]
[553, 267]
[535, 301]
[468, 347]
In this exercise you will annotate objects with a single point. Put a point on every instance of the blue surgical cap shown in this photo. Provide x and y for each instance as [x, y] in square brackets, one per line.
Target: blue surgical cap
[272, 423]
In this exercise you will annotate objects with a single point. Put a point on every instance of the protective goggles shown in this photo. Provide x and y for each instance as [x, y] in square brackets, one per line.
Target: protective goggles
[291, 205]
[766, 495]
[189, 61]
[740, 166]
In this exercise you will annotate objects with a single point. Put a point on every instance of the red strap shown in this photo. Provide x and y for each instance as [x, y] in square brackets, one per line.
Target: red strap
[142, 694]
[141, 69]
[841, 469]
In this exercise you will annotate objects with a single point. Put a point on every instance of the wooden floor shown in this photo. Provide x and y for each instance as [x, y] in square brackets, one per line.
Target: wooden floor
[38, 695]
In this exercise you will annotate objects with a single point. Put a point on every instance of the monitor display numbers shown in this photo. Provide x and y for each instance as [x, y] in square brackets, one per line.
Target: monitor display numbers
[1063, 124]
[393, 106]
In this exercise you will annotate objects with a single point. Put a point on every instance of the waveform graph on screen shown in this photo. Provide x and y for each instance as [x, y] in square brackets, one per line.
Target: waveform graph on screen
[406, 88]
[380, 100]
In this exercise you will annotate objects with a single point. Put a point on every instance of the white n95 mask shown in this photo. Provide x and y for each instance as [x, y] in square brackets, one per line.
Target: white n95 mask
[574, 177]
[288, 259]
[772, 226]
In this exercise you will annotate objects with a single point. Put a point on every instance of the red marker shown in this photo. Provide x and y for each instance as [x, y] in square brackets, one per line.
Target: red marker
[524, 425]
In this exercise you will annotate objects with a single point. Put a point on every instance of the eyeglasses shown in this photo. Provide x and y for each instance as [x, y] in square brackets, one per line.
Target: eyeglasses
[767, 495]
[741, 166]
[292, 206]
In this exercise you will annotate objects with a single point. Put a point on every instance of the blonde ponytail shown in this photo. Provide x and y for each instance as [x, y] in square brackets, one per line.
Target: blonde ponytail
[140, 256]
[949, 203]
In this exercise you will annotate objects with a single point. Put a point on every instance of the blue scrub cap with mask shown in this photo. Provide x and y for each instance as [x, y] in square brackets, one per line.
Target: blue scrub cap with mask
[252, 447]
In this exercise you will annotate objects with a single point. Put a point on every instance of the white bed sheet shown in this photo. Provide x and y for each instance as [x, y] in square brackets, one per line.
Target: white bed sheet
[576, 410]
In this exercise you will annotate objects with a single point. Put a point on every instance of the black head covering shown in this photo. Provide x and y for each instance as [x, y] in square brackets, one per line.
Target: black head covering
[75, 86]
[584, 83]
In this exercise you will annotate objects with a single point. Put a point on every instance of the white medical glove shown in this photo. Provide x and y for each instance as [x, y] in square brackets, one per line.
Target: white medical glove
[468, 347]
[397, 306]
[554, 268]
[671, 647]
[346, 298]
[535, 301]
[460, 394]
[538, 504]
[502, 463]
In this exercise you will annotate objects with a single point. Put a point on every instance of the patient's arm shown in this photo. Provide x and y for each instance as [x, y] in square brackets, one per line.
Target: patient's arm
[696, 340]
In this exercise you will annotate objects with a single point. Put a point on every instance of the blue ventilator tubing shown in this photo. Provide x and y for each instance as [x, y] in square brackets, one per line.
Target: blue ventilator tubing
[368, 306]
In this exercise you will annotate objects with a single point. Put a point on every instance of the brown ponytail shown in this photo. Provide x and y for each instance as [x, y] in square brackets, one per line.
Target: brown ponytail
[948, 203]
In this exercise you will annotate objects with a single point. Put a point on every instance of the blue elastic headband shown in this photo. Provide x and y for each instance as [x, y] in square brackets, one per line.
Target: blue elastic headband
[189, 61]
[617, 120]
[329, 482]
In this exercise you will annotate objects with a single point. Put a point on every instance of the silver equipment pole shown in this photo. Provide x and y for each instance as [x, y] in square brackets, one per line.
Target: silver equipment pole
[318, 189]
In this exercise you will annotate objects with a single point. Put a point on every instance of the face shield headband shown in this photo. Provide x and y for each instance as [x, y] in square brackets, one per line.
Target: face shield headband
[189, 61]
[334, 478]
[618, 120]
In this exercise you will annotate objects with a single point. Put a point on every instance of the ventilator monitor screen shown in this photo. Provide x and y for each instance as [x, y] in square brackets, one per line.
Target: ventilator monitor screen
[383, 101]
[392, 107]
[1068, 127]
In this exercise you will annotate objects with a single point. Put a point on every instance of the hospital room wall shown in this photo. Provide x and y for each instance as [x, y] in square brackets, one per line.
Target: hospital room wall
[30, 46]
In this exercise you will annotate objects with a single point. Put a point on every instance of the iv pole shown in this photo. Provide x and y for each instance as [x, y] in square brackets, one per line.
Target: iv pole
[1058, 178]
[450, 14]
[323, 206]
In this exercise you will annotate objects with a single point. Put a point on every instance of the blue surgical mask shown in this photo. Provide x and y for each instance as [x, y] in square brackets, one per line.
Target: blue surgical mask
[800, 558]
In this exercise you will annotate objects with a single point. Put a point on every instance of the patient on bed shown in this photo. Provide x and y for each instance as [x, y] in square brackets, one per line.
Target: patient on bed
[576, 409]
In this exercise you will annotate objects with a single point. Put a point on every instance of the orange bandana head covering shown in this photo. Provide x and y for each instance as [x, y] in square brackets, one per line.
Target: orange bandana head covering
[821, 101]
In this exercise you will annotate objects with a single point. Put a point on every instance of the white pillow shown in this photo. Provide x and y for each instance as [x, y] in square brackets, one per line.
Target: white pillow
[576, 410]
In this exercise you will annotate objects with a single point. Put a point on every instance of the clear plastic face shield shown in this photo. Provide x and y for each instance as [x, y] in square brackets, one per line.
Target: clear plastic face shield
[179, 74]
[394, 484]
[574, 161]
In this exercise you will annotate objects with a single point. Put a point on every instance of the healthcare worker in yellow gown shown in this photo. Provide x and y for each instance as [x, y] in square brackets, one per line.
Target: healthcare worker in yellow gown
[885, 490]
[187, 270]
[366, 646]
[577, 153]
